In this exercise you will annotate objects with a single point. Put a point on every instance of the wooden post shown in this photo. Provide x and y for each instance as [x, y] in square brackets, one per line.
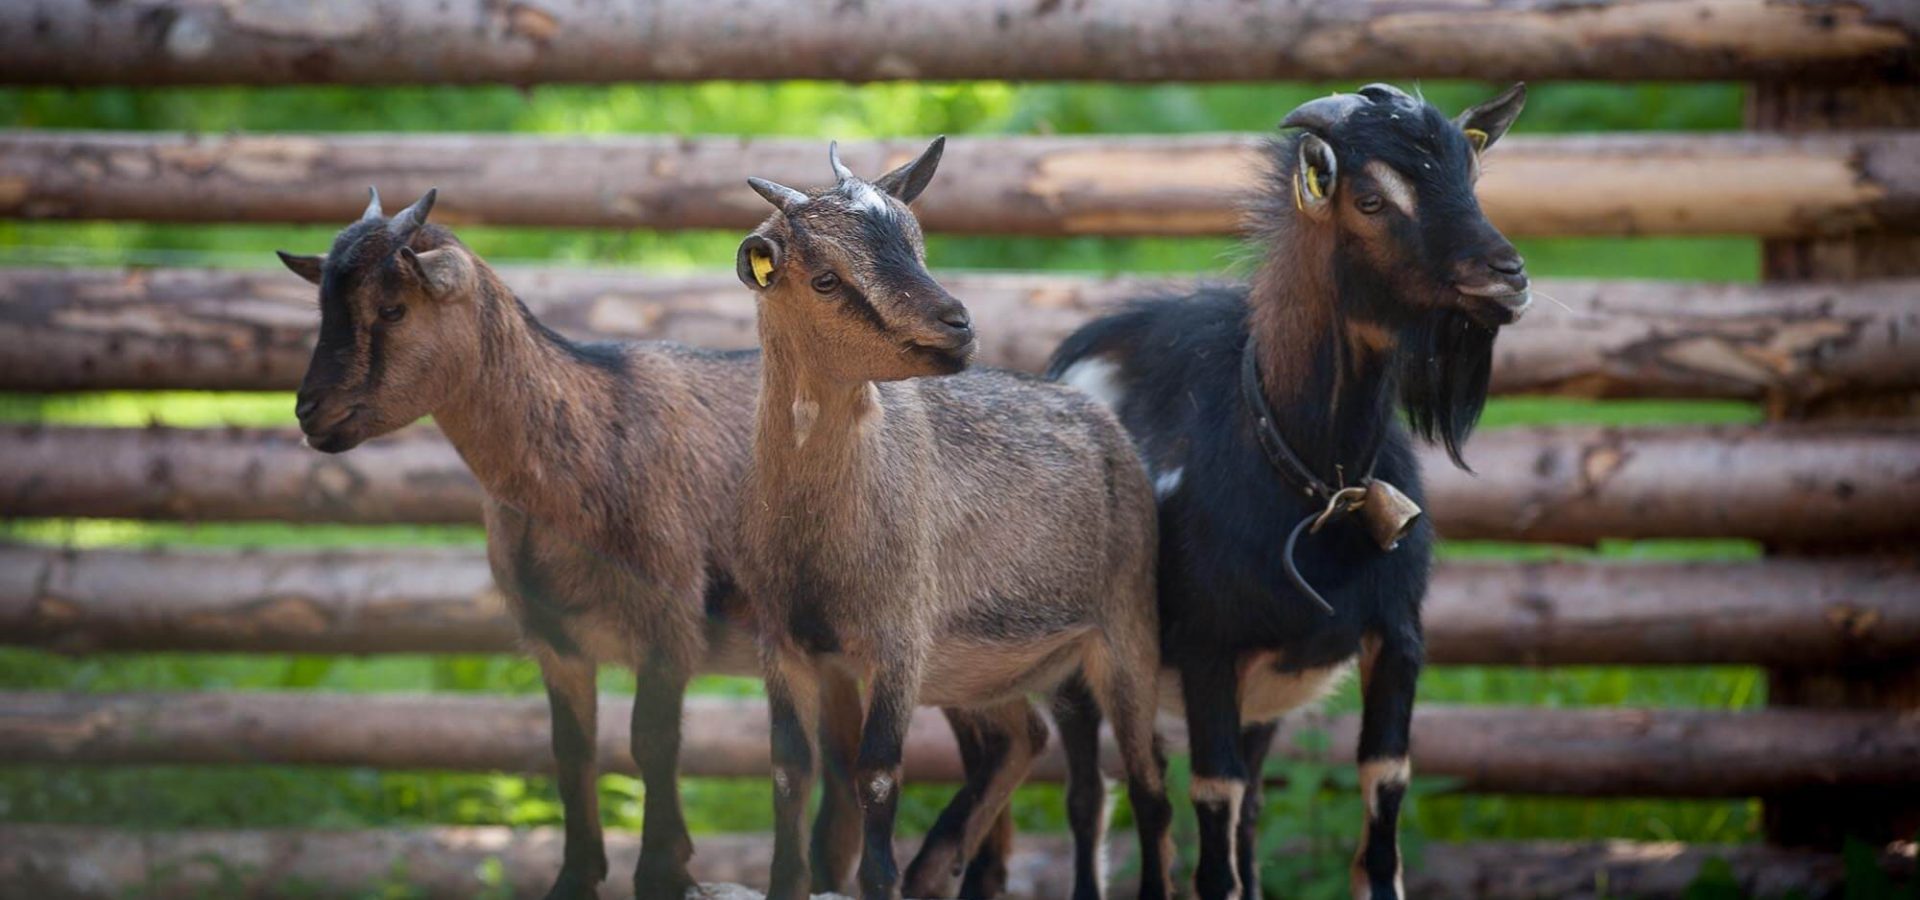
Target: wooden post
[1828, 817]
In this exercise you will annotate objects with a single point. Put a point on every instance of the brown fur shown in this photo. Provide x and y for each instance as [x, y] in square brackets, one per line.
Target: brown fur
[960, 540]
[611, 475]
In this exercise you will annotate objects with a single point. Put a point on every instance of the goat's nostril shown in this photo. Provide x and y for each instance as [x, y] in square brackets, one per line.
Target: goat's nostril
[1507, 265]
[956, 319]
[305, 407]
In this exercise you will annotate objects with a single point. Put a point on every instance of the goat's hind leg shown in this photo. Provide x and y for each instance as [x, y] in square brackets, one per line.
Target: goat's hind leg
[967, 846]
[574, 704]
[1078, 715]
[792, 706]
[665, 846]
[1127, 690]
[1255, 741]
[836, 828]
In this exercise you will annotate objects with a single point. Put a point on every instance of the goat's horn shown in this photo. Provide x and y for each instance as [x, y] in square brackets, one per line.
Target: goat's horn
[840, 170]
[373, 205]
[781, 196]
[1324, 114]
[409, 220]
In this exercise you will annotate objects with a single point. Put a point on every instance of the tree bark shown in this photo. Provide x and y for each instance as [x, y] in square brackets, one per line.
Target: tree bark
[1810, 184]
[443, 601]
[1583, 752]
[1567, 485]
[96, 863]
[158, 42]
[215, 329]
[1829, 818]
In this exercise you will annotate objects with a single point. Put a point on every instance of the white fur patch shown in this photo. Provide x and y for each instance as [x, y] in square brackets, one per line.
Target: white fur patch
[1167, 483]
[805, 413]
[1099, 377]
[1393, 186]
[866, 198]
[881, 786]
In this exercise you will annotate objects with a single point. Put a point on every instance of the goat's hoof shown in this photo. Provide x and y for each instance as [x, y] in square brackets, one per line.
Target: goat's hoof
[666, 880]
[575, 885]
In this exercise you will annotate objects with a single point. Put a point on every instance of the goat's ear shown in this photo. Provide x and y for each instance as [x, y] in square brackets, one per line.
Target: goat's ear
[758, 261]
[1484, 124]
[909, 180]
[444, 273]
[1314, 176]
[307, 267]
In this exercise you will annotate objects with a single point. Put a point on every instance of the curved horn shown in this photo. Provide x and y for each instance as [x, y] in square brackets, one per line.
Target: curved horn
[373, 205]
[1324, 114]
[409, 220]
[781, 196]
[840, 170]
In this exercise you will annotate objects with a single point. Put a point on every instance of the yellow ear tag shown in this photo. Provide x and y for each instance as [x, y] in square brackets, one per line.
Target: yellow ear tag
[1477, 138]
[1313, 183]
[762, 265]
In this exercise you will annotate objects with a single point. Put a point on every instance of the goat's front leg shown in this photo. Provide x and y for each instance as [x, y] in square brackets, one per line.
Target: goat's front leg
[665, 846]
[1255, 741]
[1211, 690]
[571, 696]
[1389, 672]
[877, 774]
[792, 706]
[836, 828]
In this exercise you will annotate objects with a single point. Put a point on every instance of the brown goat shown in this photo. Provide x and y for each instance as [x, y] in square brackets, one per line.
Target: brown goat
[611, 472]
[957, 541]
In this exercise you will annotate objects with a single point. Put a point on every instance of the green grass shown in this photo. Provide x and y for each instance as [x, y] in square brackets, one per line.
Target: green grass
[1319, 803]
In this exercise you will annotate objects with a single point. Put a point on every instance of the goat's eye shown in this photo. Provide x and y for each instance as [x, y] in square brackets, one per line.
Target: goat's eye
[393, 313]
[825, 282]
[1370, 203]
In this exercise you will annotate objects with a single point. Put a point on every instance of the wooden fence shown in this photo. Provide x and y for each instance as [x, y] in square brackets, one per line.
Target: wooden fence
[1827, 177]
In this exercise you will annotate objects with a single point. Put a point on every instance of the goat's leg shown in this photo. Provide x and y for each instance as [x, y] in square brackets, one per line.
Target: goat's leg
[792, 706]
[1389, 672]
[1210, 689]
[997, 748]
[877, 774]
[986, 875]
[1130, 701]
[665, 846]
[574, 704]
[836, 828]
[936, 867]
[1078, 715]
[1255, 741]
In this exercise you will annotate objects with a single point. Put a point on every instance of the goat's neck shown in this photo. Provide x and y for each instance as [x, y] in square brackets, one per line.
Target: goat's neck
[525, 389]
[811, 427]
[1328, 379]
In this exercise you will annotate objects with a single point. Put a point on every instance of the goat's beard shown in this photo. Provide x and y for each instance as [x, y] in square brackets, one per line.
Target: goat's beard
[1447, 366]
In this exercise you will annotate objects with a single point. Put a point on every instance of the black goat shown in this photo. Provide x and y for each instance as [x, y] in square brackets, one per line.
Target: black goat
[1260, 408]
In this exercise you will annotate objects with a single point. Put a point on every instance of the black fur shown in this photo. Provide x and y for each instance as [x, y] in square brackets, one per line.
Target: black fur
[1225, 510]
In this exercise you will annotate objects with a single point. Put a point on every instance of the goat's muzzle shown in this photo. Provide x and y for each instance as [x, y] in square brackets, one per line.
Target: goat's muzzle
[1497, 302]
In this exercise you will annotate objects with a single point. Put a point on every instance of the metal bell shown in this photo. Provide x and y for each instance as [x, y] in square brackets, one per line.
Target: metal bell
[1388, 513]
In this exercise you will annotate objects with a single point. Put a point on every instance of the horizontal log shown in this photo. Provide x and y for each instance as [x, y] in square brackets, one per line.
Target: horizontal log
[1778, 613]
[213, 329]
[94, 863]
[1568, 485]
[160, 42]
[1628, 184]
[1583, 752]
